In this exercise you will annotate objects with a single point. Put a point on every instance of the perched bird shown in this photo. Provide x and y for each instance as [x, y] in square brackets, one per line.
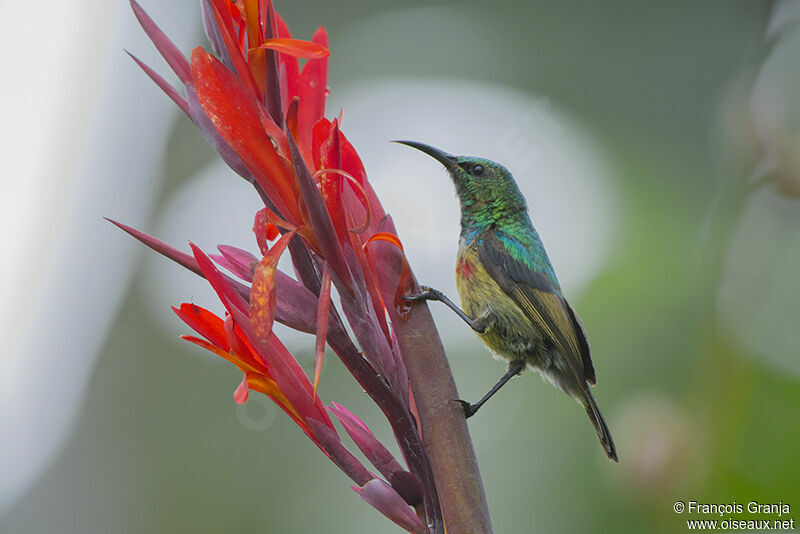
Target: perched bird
[509, 292]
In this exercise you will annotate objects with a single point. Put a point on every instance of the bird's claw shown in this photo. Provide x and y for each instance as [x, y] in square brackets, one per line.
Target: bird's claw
[469, 409]
[426, 294]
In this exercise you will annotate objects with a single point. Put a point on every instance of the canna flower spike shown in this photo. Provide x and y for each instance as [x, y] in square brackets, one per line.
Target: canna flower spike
[264, 115]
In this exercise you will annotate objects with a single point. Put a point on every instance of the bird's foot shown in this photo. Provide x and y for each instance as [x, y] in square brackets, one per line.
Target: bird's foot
[469, 409]
[427, 293]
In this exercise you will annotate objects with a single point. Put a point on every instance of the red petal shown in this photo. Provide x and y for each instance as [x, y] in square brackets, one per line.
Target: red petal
[225, 13]
[319, 137]
[388, 237]
[312, 90]
[295, 47]
[233, 358]
[405, 278]
[286, 372]
[229, 297]
[206, 126]
[238, 119]
[242, 391]
[349, 162]
[204, 323]
[262, 294]
[352, 164]
[331, 183]
[243, 350]
[260, 229]
[265, 226]
[291, 116]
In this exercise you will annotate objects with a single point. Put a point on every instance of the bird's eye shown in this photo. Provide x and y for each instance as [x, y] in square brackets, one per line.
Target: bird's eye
[478, 169]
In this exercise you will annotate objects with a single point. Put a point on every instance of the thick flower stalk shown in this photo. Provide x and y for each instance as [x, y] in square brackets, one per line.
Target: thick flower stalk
[264, 115]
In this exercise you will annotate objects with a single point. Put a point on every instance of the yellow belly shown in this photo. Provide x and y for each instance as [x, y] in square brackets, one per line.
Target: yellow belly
[510, 334]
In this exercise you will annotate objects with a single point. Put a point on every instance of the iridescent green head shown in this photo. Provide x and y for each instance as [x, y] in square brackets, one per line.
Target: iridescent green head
[487, 190]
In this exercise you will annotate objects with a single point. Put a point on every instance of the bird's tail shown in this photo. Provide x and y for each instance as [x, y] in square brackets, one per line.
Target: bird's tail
[599, 425]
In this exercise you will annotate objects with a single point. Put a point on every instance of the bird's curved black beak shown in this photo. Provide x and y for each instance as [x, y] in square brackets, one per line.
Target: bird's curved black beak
[441, 156]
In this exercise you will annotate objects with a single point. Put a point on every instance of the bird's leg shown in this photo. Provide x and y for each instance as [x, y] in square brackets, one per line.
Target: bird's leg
[514, 368]
[479, 324]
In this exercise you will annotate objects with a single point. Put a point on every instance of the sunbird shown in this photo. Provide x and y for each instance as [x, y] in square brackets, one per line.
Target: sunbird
[509, 292]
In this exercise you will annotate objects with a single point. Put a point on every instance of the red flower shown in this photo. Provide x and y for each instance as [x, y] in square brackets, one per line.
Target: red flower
[265, 117]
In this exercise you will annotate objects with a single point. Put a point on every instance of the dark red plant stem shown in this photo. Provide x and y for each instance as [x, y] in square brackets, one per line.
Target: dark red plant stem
[444, 427]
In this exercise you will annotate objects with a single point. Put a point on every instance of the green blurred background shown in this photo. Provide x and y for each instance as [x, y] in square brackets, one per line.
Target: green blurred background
[692, 313]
